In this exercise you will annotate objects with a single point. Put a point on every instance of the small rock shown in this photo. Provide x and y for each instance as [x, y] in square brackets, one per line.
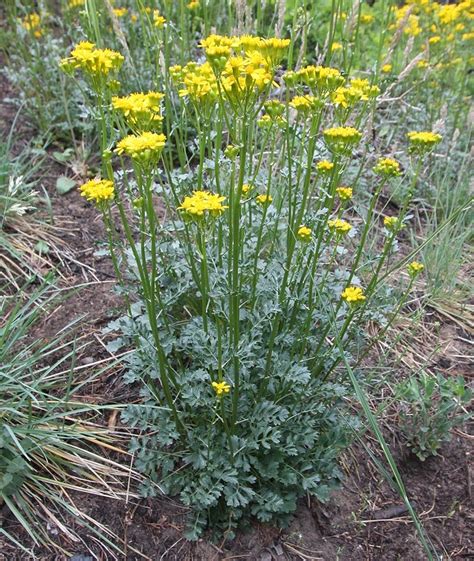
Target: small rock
[87, 360]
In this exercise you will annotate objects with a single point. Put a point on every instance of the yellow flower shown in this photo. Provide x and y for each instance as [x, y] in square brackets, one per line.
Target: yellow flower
[387, 167]
[75, 3]
[448, 14]
[339, 226]
[158, 20]
[193, 5]
[120, 12]
[32, 23]
[324, 166]
[199, 82]
[221, 388]
[415, 268]
[341, 139]
[391, 223]
[413, 26]
[304, 233]
[275, 119]
[244, 76]
[386, 68]
[336, 46]
[421, 142]
[93, 62]
[246, 188]
[364, 88]
[433, 40]
[97, 190]
[142, 111]
[214, 40]
[305, 103]
[176, 72]
[366, 18]
[202, 203]
[272, 50]
[265, 121]
[217, 55]
[145, 147]
[345, 193]
[244, 65]
[353, 295]
[349, 96]
[323, 79]
[264, 199]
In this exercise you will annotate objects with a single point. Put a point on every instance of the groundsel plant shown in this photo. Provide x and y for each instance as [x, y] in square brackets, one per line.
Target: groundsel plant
[247, 278]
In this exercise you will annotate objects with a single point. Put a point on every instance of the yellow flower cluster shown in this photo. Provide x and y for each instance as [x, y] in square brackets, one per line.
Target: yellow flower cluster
[353, 295]
[199, 82]
[415, 268]
[413, 27]
[339, 226]
[142, 111]
[305, 104]
[451, 13]
[75, 4]
[391, 223]
[267, 122]
[193, 5]
[387, 167]
[357, 90]
[264, 199]
[320, 79]
[221, 388]
[245, 76]
[421, 142]
[240, 78]
[158, 20]
[304, 233]
[144, 148]
[445, 20]
[98, 190]
[32, 24]
[408, 21]
[120, 12]
[324, 166]
[272, 50]
[366, 19]
[202, 203]
[342, 139]
[345, 193]
[96, 63]
[246, 188]
[238, 66]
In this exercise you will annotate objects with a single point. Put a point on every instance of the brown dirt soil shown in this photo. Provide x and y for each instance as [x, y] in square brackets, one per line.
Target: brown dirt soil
[360, 523]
